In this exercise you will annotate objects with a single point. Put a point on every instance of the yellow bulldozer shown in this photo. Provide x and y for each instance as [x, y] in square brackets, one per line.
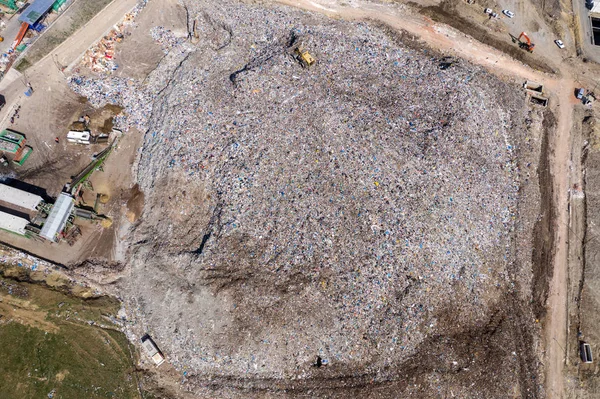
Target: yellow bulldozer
[304, 57]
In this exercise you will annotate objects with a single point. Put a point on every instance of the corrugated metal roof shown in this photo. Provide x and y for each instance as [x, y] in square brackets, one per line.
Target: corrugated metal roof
[13, 223]
[18, 197]
[58, 217]
[12, 137]
[8, 146]
[35, 11]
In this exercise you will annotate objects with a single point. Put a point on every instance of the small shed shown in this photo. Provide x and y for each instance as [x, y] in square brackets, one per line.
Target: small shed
[585, 351]
[11, 136]
[594, 21]
[10, 4]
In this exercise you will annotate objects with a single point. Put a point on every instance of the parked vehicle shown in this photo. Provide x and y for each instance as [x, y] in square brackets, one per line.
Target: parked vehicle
[589, 4]
[559, 43]
[152, 350]
[488, 11]
[579, 93]
[508, 13]
[585, 351]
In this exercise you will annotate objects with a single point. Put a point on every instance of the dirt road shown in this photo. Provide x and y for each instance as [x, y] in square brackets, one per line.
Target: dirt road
[555, 327]
[68, 52]
[71, 49]
[43, 116]
[451, 41]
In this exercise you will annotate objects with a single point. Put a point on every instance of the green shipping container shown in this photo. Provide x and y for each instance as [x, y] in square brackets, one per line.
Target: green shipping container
[10, 4]
[26, 153]
[9, 147]
[12, 137]
[57, 4]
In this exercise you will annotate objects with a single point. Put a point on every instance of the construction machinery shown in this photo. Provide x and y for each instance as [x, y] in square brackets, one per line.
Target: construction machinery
[524, 42]
[20, 35]
[304, 57]
[446, 62]
[81, 179]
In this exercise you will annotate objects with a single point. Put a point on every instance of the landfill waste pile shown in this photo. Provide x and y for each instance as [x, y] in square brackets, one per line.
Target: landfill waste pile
[347, 227]
[166, 38]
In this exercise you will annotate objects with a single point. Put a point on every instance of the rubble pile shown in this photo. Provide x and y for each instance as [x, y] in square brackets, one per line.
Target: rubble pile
[352, 210]
[100, 57]
[166, 38]
[126, 92]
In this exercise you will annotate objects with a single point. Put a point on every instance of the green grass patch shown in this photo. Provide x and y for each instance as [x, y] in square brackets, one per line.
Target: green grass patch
[22, 65]
[77, 360]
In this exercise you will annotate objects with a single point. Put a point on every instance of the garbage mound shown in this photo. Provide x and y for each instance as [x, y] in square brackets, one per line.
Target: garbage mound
[343, 214]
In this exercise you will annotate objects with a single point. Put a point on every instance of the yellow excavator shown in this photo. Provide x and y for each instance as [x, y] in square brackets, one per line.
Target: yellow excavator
[304, 57]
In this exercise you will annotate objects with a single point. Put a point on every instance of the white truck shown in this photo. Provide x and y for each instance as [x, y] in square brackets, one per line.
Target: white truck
[152, 350]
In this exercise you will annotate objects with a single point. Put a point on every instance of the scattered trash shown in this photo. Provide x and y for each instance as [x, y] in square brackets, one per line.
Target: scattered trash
[375, 187]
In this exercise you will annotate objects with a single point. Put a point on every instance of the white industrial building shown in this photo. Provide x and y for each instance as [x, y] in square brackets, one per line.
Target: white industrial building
[20, 203]
[57, 219]
[18, 208]
[14, 224]
[19, 198]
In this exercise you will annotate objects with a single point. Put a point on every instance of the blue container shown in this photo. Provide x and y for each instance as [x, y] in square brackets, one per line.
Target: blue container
[38, 27]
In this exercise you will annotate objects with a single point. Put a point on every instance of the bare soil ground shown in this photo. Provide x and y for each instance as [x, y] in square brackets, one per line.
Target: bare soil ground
[115, 181]
[140, 56]
[450, 13]
[584, 379]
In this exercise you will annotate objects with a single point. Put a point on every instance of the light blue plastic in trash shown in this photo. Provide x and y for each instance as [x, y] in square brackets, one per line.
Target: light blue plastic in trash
[29, 92]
